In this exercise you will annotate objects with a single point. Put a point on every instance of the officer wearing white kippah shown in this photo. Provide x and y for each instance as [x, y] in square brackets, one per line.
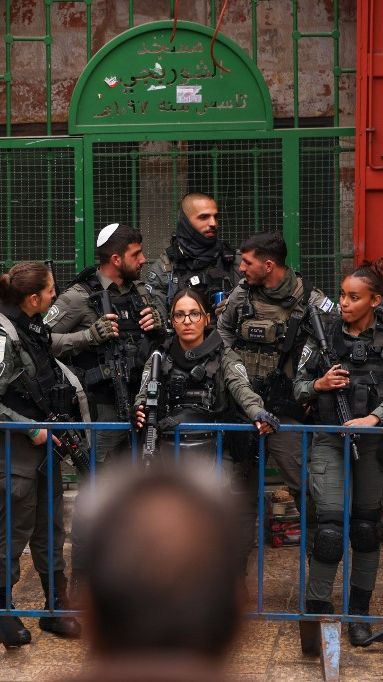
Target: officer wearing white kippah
[81, 328]
[86, 336]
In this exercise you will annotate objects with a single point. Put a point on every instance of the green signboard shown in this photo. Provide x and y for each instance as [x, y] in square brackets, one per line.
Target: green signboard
[143, 82]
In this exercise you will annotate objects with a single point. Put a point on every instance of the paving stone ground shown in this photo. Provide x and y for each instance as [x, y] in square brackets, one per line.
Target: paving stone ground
[266, 651]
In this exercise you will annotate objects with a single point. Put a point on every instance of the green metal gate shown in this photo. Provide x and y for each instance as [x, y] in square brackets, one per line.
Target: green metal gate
[41, 202]
[56, 193]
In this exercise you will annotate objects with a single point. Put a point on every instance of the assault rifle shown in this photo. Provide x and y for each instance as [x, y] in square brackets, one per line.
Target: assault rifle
[71, 446]
[151, 408]
[342, 405]
[71, 442]
[118, 362]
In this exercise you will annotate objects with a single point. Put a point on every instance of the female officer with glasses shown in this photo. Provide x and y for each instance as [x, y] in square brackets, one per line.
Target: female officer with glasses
[197, 374]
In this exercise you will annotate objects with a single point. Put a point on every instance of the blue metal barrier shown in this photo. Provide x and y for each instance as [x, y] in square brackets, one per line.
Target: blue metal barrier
[8, 427]
[304, 430]
[219, 429]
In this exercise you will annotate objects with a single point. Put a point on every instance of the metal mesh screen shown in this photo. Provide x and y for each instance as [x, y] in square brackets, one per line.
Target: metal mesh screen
[142, 185]
[326, 210]
[37, 207]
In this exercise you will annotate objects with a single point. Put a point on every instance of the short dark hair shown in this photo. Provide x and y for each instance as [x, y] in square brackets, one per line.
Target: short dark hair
[163, 566]
[118, 242]
[188, 199]
[267, 245]
[22, 280]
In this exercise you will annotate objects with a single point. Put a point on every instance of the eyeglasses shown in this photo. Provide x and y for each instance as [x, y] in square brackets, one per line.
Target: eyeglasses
[180, 316]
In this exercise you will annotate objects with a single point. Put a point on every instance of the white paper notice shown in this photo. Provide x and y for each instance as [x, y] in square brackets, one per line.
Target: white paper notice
[188, 93]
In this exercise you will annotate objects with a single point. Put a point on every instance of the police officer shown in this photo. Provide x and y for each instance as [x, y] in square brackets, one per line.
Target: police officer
[81, 330]
[355, 341]
[261, 321]
[198, 376]
[28, 373]
[195, 258]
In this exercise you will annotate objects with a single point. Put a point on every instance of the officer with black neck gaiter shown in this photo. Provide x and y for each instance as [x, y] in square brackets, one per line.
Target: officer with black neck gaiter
[195, 258]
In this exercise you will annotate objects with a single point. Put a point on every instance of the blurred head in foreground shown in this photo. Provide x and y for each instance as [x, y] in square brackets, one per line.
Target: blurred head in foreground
[163, 565]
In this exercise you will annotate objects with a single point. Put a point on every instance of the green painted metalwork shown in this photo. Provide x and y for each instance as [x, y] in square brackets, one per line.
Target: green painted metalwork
[131, 13]
[174, 208]
[89, 240]
[291, 198]
[140, 81]
[135, 190]
[9, 238]
[41, 199]
[254, 41]
[264, 178]
[213, 13]
[298, 35]
[47, 40]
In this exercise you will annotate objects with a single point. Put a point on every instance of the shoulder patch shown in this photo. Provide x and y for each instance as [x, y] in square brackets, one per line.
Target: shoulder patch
[326, 305]
[2, 368]
[306, 354]
[149, 288]
[241, 369]
[51, 314]
[152, 275]
[3, 341]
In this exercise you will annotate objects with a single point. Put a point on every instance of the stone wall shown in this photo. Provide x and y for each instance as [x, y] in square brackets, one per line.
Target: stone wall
[110, 17]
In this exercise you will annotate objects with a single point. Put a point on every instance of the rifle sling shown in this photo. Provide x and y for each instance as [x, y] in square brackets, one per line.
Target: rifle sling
[294, 324]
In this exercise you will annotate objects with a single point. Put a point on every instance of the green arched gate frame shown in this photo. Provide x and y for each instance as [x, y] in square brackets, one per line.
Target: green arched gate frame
[151, 119]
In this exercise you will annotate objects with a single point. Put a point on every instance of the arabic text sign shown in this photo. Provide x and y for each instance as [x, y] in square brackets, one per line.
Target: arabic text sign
[142, 79]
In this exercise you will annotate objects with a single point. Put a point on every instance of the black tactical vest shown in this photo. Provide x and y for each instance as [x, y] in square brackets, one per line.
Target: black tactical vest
[136, 344]
[208, 281]
[17, 397]
[364, 361]
[191, 395]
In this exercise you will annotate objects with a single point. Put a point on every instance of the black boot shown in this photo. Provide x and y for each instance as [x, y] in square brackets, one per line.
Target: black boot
[12, 630]
[359, 605]
[317, 606]
[63, 626]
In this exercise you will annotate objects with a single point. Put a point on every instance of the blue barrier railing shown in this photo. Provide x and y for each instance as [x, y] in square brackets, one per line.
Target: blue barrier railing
[219, 429]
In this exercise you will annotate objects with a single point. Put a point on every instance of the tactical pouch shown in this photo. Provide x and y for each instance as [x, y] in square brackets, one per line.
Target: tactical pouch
[61, 398]
[259, 363]
[259, 331]
[287, 408]
[360, 402]
[277, 395]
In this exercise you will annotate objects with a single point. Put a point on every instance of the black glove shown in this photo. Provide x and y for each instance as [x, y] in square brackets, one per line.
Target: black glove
[100, 331]
[269, 418]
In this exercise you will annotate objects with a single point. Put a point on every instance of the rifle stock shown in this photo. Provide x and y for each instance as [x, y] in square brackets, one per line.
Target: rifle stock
[342, 405]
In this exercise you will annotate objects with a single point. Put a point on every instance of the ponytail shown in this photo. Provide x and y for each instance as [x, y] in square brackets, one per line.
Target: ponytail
[22, 280]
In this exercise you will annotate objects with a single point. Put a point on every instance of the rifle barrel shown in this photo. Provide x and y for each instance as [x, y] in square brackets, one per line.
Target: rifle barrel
[342, 405]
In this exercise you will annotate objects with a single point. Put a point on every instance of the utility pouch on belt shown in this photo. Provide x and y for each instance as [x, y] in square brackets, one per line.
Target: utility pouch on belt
[360, 400]
[260, 331]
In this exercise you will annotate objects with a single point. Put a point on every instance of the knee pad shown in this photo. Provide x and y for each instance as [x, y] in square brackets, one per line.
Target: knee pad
[328, 544]
[364, 536]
